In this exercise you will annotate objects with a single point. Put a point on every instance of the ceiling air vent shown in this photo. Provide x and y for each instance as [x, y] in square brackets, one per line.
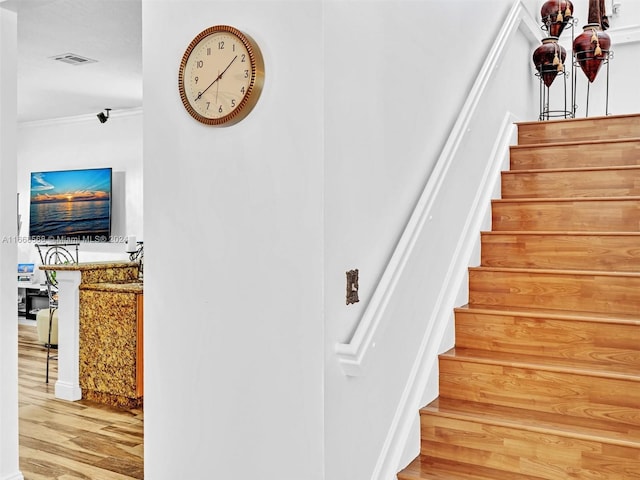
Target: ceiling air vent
[73, 59]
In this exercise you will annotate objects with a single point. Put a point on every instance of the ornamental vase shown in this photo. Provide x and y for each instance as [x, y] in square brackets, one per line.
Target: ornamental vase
[591, 49]
[555, 15]
[548, 59]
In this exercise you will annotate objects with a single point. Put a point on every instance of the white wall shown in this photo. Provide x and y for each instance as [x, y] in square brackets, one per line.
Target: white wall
[383, 131]
[8, 325]
[358, 100]
[234, 254]
[383, 138]
[405, 85]
[370, 144]
[84, 142]
[241, 379]
[374, 167]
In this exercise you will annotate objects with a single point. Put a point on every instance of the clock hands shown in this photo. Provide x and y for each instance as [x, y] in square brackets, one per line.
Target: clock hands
[217, 90]
[217, 78]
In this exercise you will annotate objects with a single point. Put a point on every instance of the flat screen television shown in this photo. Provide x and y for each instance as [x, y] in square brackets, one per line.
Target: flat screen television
[71, 205]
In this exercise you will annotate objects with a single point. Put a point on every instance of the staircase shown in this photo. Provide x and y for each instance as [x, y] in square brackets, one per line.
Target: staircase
[544, 380]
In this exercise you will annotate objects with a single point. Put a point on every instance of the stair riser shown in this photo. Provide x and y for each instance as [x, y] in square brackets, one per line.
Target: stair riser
[523, 452]
[571, 291]
[571, 184]
[560, 392]
[617, 215]
[616, 343]
[597, 128]
[531, 157]
[620, 253]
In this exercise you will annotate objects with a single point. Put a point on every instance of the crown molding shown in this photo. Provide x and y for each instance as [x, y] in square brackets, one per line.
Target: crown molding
[126, 112]
[624, 35]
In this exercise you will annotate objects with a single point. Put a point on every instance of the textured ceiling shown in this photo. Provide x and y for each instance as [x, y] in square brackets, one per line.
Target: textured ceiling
[108, 31]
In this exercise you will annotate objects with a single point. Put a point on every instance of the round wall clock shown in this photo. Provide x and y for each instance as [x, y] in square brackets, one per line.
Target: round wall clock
[221, 76]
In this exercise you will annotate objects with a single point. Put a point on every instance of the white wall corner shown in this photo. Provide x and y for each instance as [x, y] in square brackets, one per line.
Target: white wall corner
[529, 25]
[9, 449]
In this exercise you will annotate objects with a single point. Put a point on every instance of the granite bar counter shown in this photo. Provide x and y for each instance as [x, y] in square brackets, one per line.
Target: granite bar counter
[111, 338]
[100, 272]
[106, 337]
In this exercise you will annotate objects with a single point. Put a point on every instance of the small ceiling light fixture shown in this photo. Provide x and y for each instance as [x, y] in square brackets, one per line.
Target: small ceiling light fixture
[102, 117]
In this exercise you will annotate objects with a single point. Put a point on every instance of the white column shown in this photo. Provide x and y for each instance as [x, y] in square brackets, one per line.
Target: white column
[68, 384]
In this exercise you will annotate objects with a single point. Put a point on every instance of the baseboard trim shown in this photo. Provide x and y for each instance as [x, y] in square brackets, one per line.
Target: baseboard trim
[14, 476]
[67, 391]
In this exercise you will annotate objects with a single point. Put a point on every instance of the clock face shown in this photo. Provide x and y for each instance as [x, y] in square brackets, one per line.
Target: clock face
[221, 76]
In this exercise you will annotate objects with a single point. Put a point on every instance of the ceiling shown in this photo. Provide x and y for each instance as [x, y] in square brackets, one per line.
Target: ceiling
[107, 31]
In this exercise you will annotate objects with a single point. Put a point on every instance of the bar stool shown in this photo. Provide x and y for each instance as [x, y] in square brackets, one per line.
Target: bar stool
[54, 254]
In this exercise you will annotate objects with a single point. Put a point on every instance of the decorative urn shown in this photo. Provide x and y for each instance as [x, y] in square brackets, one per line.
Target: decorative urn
[591, 49]
[555, 15]
[549, 59]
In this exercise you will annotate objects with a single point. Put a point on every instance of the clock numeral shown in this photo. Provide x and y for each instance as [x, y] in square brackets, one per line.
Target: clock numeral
[199, 64]
[220, 109]
[233, 47]
[208, 50]
[233, 103]
[243, 58]
[196, 79]
[208, 104]
[242, 90]
[221, 45]
[246, 74]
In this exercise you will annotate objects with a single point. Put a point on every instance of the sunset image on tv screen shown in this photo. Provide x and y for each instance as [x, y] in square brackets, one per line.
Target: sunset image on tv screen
[71, 205]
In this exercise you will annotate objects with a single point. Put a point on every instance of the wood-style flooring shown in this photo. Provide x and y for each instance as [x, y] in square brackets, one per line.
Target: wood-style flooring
[71, 440]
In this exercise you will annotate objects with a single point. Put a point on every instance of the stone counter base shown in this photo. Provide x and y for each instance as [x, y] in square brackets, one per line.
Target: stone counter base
[112, 400]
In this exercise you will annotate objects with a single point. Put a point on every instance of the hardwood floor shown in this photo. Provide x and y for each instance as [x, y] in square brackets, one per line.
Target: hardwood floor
[71, 440]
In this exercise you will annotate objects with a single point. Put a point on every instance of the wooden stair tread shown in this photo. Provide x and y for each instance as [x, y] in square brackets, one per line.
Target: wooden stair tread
[619, 318]
[541, 363]
[596, 213]
[565, 336]
[571, 169]
[559, 289]
[570, 143]
[578, 120]
[558, 232]
[566, 199]
[618, 251]
[592, 429]
[556, 271]
[429, 468]
[579, 182]
[584, 182]
[591, 128]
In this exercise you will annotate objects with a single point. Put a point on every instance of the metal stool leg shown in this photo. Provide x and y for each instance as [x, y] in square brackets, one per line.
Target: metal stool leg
[51, 311]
